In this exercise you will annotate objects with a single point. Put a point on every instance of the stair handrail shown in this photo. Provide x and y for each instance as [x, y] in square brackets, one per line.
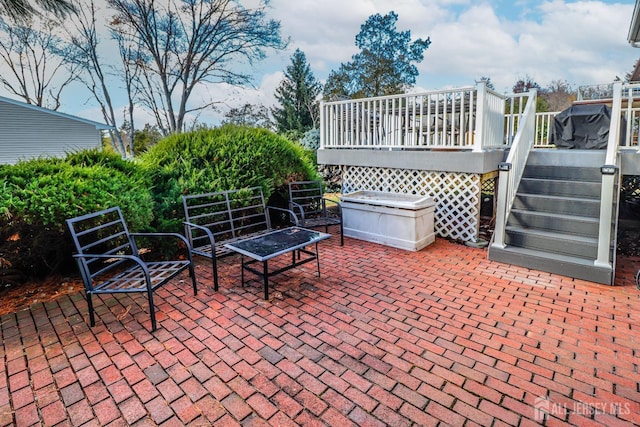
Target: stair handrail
[511, 170]
[609, 172]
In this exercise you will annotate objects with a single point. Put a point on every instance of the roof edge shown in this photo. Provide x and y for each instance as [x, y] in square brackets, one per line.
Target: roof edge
[98, 125]
[634, 27]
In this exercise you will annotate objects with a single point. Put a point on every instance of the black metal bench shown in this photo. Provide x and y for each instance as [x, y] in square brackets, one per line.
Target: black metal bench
[110, 262]
[213, 219]
[307, 201]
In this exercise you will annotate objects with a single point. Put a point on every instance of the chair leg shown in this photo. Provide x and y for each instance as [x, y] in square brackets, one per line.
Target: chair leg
[192, 273]
[152, 310]
[92, 317]
[341, 235]
[215, 273]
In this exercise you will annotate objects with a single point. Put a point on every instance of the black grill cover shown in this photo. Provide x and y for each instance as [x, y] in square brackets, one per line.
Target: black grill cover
[582, 127]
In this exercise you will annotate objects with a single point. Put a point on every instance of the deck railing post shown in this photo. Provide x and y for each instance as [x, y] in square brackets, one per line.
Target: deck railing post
[482, 111]
[323, 124]
[609, 174]
[501, 209]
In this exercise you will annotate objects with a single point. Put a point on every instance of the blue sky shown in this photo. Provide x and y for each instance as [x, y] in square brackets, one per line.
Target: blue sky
[582, 42]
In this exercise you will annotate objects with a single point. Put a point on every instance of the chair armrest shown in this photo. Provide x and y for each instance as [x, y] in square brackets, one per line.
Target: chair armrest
[175, 235]
[297, 206]
[208, 232]
[336, 202]
[136, 259]
[292, 216]
[324, 206]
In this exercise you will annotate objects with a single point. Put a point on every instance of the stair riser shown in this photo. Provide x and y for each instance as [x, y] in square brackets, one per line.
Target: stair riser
[568, 225]
[559, 173]
[541, 204]
[589, 190]
[561, 246]
[590, 273]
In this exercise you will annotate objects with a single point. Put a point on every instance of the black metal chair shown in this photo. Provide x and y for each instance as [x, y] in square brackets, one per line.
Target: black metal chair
[110, 262]
[213, 219]
[307, 201]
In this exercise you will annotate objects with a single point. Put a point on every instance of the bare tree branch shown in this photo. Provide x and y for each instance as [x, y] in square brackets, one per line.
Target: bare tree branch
[186, 43]
[36, 60]
[84, 39]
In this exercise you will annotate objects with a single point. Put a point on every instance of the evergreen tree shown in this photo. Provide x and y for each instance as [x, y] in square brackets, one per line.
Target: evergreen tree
[297, 93]
[23, 10]
[384, 65]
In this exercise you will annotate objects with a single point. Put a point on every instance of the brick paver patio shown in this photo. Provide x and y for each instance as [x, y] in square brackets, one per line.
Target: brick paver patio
[386, 337]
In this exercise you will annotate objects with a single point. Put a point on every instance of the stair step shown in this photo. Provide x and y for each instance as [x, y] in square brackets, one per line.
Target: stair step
[557, 204]
[562, 223]
[561, 187]
[576, 267]
[562, 159]
[586, 174]
[554, 221]
[552, 242]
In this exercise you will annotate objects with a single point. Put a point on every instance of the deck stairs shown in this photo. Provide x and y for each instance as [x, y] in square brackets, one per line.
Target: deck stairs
[553, 223]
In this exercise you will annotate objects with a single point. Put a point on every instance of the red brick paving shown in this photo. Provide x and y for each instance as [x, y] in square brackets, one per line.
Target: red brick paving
[386, 337]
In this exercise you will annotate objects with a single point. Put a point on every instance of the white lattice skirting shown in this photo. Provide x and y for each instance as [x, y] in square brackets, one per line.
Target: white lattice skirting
[457, 195]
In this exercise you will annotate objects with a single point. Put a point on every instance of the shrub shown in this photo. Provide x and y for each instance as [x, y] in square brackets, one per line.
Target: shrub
[311, 139]
[37, 196]
[224, 158]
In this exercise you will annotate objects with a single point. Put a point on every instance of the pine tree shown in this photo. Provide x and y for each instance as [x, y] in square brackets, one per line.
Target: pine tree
[297, 93]
[384, 65]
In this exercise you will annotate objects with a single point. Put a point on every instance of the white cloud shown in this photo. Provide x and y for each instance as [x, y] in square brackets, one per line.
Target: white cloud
[228, 97]
[583, 42]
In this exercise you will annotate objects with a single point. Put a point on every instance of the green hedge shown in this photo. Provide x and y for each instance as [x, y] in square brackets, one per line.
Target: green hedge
[37, 196]
[219, 159]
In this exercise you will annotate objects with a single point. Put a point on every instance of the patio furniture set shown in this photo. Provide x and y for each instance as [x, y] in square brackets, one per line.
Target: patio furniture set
[217, 224]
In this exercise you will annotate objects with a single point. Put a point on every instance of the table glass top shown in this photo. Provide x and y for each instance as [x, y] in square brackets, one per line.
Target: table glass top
[280, 241]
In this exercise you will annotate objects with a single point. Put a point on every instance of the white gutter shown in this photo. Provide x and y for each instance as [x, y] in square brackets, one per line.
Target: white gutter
[634, 29]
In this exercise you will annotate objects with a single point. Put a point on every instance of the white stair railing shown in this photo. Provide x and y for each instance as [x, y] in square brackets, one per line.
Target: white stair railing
[609, 174]
[511, 170]
[544, 127]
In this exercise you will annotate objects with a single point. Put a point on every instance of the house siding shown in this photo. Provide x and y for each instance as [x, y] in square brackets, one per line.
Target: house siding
[26, 133]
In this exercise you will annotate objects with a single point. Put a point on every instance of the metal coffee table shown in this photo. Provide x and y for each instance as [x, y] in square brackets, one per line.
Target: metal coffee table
[270, 245]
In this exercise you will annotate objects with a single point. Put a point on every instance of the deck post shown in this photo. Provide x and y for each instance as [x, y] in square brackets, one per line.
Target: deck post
[501, 209]
[481, 116]
[323, 124]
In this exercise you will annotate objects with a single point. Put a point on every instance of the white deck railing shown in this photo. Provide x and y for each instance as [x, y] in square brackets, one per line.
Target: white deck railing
[544, 126]
[630, 97]
[464, 118]
[511, 170]
[472, 118]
